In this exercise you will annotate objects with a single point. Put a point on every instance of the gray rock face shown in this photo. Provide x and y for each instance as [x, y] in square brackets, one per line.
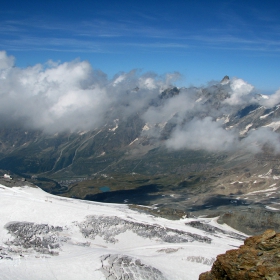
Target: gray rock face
[42, 238]
[109, 227]
[121, 267]
[225, 80]
[170, 92]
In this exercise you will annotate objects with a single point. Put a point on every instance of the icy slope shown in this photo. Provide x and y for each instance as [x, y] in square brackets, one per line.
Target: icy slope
[48, 237]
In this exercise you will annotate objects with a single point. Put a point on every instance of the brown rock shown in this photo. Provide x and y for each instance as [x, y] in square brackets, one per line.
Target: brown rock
[258, 258]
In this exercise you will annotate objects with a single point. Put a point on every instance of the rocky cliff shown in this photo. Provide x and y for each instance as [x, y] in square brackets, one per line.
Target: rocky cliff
[258, 258]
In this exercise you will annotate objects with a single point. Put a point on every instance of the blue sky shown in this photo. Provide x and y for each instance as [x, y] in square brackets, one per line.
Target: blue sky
[202, 40]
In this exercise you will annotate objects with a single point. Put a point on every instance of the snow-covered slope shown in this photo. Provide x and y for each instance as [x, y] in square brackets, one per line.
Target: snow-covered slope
[48, 237]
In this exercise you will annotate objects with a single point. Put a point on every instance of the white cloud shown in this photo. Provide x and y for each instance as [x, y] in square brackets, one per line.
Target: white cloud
[202, 134]
[206, 134]
[71, 95]
[272, 99]
[179, 105]
[43, 97]
[240, 92]
[257, 138]
[6, 61]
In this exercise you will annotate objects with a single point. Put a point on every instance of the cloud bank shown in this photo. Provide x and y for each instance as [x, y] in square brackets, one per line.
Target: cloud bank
[72, 96]
[206, 133]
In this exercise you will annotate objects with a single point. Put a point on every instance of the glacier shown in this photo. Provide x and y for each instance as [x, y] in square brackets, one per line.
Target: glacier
[45, 236]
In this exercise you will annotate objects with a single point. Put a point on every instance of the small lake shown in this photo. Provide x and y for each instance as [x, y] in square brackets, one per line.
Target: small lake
[141, 195]
[104, 189]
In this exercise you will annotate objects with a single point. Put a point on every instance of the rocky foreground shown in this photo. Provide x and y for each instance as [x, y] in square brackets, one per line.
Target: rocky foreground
[258, 258]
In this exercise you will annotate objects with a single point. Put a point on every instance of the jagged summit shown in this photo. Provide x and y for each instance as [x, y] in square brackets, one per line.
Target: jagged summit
[225, 80]
[170, 92]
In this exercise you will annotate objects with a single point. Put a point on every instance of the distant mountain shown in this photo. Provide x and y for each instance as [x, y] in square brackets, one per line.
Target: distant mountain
[225, 80]
[85, 153]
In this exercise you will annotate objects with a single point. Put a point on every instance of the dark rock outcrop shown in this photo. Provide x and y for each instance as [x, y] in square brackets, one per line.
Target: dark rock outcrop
[255, 220]
[225, 80]
[258, 258]
[170, 92]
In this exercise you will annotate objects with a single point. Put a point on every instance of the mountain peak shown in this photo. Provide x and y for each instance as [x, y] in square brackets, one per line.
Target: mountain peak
[225, 80]
[169, 92]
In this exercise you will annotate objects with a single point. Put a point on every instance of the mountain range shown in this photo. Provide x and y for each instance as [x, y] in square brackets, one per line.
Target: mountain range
[194, 151]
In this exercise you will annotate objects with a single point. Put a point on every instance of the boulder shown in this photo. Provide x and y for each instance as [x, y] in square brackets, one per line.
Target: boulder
[258, 258]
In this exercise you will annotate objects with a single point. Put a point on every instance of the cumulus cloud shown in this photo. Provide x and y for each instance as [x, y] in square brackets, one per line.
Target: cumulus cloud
[5, 61]
[209, 135]
[52, 98]
[256, 139]
[71, 95]
[240, 92]
[203, 134]
[271, 100]
[180, 105]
